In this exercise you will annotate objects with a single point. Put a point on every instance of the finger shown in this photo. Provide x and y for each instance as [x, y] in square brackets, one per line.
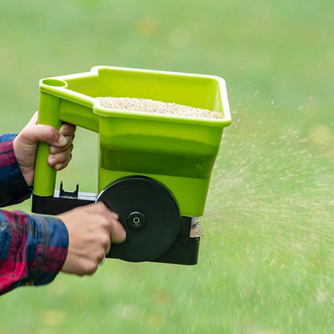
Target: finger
[33, 120]
[44, 133]
[55, 150]
[114, 214]
[107, 211]
[59, 158]
[108, 246]
[114, 227]
[63, 165]
[67, 129]
[117, 233]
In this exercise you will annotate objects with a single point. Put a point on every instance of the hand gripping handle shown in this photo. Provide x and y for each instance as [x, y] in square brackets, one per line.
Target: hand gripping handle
[55, 106]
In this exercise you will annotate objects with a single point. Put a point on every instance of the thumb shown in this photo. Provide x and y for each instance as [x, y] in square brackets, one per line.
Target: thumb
[44, 133]
[33, 120]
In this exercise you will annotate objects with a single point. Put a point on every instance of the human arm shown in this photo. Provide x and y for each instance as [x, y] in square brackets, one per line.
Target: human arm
[33, 249]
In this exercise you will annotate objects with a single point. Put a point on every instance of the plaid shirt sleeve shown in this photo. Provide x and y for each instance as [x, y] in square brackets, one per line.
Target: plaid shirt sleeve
[32, 248]
[13, 187]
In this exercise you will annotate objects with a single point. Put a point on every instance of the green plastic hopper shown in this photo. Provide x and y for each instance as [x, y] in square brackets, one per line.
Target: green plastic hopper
[178, 152]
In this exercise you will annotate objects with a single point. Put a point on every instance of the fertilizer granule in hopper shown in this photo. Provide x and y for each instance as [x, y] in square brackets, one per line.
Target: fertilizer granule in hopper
[156, 107]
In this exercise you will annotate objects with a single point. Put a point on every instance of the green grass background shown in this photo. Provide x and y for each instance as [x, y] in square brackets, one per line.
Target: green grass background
[266, 258]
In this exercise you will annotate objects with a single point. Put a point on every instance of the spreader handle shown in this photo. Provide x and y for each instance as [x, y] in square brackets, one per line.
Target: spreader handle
[45, 175]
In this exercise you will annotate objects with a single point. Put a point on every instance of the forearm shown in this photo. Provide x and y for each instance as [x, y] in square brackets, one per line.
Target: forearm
[13, 187]
[32, 249]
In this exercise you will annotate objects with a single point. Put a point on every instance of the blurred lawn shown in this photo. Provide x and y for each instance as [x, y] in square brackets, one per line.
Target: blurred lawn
[266, 259]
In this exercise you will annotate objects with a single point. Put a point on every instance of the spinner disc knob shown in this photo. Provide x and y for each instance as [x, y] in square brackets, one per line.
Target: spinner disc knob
[149, 214]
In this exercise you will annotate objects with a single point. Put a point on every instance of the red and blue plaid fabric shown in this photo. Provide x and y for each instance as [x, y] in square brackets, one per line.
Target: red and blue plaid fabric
[33, 248]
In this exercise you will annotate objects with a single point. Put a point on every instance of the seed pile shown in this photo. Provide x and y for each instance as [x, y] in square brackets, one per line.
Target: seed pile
[156, 107]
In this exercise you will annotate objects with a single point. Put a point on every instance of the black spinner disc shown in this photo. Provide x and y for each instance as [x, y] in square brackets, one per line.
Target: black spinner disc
[149, 214]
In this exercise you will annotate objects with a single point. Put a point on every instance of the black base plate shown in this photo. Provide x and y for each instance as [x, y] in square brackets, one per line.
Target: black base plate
[181, 250]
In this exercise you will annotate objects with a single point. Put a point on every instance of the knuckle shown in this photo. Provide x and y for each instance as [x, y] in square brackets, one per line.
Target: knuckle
[63, 156]
[68, 127]
[105, 222]
[101, 210]
[90, 209]
[51, 132]
[52, 149]
[105, 209]
[99, 205]
[91, 267]
[114, 215]
[63, 165]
